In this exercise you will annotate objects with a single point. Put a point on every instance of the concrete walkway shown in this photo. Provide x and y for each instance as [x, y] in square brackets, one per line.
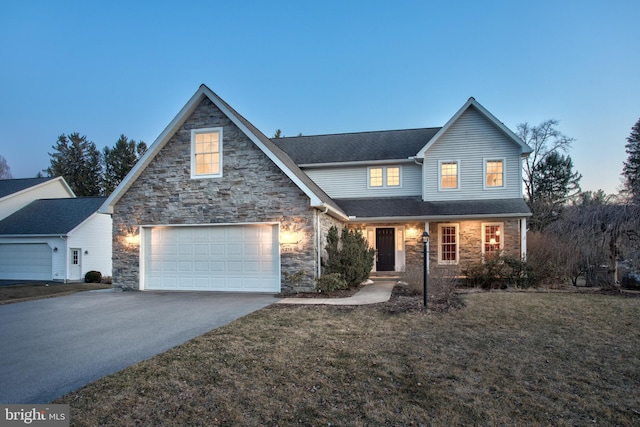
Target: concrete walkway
[370, 294]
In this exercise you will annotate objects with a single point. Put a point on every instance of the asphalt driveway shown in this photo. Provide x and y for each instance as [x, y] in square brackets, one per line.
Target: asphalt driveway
[52, 346]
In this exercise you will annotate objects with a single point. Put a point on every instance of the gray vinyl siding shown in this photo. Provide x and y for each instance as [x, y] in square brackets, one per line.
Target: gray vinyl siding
[351, 182]
[470, 141]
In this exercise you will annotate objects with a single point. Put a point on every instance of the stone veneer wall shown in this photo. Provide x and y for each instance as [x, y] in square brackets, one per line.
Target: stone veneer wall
[252, 189]
[470, 241]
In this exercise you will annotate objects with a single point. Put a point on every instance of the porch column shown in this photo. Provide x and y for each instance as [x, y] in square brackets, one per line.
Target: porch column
[523, 239]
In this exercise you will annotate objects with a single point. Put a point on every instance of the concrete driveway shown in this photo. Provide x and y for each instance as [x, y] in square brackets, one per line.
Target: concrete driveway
[50, 347]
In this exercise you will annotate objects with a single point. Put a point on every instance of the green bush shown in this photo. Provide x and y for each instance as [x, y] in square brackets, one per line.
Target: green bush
[93, 277]
[331, 282]
[349, 256]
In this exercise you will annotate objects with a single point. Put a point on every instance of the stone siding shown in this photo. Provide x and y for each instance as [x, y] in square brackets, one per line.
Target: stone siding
[252, 189]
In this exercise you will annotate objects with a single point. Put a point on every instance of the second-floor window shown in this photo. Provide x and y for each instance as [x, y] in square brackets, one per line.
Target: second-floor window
[206, 153]
[448, 175]
[380, 177]
[494, 173]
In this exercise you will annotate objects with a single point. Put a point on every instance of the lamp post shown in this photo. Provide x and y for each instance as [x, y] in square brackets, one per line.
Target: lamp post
[425, 241]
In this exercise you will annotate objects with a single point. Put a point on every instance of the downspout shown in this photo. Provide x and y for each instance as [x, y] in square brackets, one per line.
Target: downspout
[319, 241]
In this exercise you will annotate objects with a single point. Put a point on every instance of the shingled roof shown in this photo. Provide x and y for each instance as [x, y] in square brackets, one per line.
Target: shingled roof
[414, 207]
[50, 216]
[11, 186]
[352, 147]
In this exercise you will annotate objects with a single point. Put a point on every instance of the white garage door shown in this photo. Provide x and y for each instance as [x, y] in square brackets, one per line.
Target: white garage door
[234, 258]
[25, 261]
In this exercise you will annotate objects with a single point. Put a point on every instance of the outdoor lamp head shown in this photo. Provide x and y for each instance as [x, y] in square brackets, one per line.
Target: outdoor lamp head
[425, 236]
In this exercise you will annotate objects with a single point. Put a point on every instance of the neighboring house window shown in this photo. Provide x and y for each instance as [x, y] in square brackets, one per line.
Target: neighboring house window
[447, 243]
[494, 173]
[206, 153]
[384, 177]
[448, 175]
[492, 237]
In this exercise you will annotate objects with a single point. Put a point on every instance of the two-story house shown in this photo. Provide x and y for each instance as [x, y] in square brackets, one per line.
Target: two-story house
[214, 204]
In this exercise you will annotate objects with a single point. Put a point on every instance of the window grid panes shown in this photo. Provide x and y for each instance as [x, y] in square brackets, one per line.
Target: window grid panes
[393, 177]
[449, 175]
[494, 173]
[448, 244]
[492, 238]
[207, 153]
[375, 177]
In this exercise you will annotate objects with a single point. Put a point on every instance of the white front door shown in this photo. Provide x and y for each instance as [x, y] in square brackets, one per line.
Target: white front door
[75, 265]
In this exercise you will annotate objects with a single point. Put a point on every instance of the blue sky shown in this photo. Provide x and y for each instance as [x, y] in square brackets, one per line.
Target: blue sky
[108, 68]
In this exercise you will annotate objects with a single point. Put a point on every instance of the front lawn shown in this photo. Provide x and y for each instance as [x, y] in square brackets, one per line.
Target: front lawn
[30, 291]
[503, 359]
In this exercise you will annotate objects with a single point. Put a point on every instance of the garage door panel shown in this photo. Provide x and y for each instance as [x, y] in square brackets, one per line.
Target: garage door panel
[218, 258]
[25, 261]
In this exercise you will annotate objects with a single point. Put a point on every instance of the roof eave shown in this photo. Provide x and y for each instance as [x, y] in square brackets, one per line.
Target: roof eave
[385, 219]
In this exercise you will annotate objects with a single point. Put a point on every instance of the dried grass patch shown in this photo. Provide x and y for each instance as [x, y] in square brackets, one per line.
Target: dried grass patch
[26, 292]
[505, 359]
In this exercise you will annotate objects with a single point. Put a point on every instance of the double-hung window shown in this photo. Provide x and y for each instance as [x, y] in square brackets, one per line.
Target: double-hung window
[449, 175]
[492, 237]
[448, 247]
[206, 153]
[381, 177]
[494, 173]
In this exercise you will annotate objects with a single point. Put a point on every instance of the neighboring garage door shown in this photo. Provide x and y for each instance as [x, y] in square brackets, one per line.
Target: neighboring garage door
[233, 258]
[25, 261]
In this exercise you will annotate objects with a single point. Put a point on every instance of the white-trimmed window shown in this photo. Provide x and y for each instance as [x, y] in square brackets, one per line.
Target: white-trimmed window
[206, 153]
[381, 177]
[448, 243]
[494, 173]
[448, 175]
[492, 237]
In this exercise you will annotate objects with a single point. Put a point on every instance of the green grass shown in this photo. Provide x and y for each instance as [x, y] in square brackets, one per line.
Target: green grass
[504, 359]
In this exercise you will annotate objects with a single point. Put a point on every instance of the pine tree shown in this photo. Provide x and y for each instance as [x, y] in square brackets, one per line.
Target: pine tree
[79, 162]
[119, 160]
[631, 168]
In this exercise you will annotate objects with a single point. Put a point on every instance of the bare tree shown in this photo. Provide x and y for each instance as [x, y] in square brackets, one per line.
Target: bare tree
[5, 170]
[543, 139]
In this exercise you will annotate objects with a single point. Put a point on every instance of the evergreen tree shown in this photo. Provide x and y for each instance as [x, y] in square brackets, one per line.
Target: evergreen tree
[5, 170]
[119, 160]
[79, 162]
[631, 168]
[554, 184]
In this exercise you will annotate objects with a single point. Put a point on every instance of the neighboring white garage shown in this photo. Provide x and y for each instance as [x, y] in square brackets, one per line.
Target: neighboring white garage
[232, 258]
[25, 261]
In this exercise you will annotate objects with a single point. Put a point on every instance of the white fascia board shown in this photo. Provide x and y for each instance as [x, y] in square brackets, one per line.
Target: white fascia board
[315, 200]
[525, 149]
[390, 219]
[356, 163]
[163, 138]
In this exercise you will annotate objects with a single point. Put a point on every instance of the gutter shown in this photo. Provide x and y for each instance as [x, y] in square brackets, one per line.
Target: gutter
[390, 219]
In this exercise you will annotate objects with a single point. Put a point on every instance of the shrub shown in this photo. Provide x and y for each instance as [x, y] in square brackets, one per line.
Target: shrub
[349, 256]
[331, 282]
[107, 280]
[498, 271]
[93, 277]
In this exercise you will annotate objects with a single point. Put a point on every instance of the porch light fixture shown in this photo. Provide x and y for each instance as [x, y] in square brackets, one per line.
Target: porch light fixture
[425, 241]
[290, 238]
[132, 239]
[55, 249]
